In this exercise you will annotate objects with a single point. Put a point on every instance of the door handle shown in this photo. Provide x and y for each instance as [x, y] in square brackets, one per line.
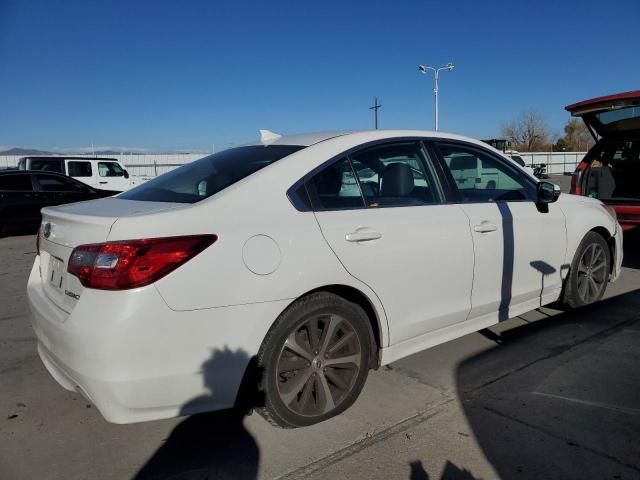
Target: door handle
[362, 236]
[102, 183]
[485, 227]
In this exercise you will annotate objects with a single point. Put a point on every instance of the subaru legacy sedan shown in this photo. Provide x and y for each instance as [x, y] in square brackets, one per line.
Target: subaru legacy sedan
[285, 270]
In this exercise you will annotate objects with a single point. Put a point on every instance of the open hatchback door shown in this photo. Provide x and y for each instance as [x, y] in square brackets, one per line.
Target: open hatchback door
[611, 115]
[610, 171]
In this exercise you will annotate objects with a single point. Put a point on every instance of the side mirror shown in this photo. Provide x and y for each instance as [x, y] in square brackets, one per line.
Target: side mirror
[126, 174]
[547, 192]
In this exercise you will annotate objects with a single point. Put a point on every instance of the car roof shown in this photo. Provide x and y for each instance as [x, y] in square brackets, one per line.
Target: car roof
[62, 157]
[308, 139]
[32, 172]
[300, 139]
[355, 138]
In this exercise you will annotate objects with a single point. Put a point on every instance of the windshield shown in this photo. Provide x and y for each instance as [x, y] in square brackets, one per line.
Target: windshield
[205, 177]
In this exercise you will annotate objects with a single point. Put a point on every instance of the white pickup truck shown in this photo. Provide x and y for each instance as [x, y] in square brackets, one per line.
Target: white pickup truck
[103, 173]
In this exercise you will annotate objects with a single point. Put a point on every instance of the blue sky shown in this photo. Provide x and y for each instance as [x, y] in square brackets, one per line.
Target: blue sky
[188, 74]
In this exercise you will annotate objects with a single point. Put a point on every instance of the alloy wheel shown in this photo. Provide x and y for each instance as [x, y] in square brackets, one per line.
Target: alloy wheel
[592, 273]
[318, 365]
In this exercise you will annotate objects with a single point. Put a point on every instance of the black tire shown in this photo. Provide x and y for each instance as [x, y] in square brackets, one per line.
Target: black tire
[295, 385]
[589, 274]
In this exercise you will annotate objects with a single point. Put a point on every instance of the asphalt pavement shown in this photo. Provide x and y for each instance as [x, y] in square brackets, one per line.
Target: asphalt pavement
[550, 394]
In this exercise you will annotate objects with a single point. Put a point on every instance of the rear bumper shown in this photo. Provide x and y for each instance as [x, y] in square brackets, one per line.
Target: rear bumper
[136, 359]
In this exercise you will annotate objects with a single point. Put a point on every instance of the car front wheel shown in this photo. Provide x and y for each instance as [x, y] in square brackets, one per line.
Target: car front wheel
[587, 280]
[315, 360]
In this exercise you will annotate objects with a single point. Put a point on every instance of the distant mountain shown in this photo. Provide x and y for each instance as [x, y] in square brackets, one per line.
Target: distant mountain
[107, 152]
[24, 151]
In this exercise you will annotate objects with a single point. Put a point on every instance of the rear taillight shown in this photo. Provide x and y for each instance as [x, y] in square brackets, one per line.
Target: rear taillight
[133, 263]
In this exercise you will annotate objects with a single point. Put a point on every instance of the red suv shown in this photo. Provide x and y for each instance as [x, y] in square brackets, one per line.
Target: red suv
[610, 171]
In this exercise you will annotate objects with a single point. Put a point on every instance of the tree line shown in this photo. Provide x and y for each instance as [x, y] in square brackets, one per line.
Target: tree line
[530, 132]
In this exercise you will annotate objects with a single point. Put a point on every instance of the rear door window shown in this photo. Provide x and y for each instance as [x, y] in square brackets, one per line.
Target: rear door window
[49, 183]
[198, 180]
[389, 175]
[336, 187]
[47, 165]
[16, 183]
[396, 174]
[79, 169]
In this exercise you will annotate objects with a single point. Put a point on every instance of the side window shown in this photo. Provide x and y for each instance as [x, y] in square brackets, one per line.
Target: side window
[16, 183]
[79, 169]
[110, 169]
[48, 165]
[335, 187]
[50, 183]
[398, 174]
[480, 177]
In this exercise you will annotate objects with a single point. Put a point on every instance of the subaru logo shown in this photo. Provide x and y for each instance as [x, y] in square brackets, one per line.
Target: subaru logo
[46, 231]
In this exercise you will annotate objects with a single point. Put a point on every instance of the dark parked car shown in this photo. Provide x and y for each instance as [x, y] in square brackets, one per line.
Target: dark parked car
[24, 193]
[610, 171]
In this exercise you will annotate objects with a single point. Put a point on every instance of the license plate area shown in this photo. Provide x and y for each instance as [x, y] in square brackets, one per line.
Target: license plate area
[55, 273]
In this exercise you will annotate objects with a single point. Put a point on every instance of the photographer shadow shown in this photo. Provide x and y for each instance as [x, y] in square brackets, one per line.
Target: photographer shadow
[214, 444]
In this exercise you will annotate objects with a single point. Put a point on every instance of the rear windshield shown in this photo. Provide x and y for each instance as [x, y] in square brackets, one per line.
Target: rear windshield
[612, 116]
[205, 177]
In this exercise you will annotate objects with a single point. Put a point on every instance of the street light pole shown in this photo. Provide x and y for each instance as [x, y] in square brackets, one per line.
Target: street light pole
[436, 71]
[435, 95]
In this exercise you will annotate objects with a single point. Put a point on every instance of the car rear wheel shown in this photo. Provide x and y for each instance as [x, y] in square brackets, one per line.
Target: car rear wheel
[315, 361]
[587, 280]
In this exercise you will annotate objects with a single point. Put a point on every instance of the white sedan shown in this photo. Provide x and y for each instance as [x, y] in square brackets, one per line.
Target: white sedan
[280, 273]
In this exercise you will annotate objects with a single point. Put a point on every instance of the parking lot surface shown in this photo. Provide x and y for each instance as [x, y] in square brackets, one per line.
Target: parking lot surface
[550, 394]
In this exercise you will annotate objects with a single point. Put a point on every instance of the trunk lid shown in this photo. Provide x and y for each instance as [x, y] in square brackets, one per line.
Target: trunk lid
[65, 227]
[610, 116]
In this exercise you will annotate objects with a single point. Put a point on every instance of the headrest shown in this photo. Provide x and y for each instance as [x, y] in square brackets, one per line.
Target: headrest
[330, 182]
[397, 180]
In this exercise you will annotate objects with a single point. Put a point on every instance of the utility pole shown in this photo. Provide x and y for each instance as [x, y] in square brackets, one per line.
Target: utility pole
[375, 108]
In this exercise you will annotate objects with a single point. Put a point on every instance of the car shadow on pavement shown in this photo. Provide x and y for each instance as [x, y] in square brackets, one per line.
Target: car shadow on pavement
[18, 230]
[557, 398]
[214, 444]
[450, 472]
[508, 256]
[631, 241]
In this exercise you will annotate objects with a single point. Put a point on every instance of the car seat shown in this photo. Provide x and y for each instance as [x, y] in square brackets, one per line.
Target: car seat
[600, 183]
